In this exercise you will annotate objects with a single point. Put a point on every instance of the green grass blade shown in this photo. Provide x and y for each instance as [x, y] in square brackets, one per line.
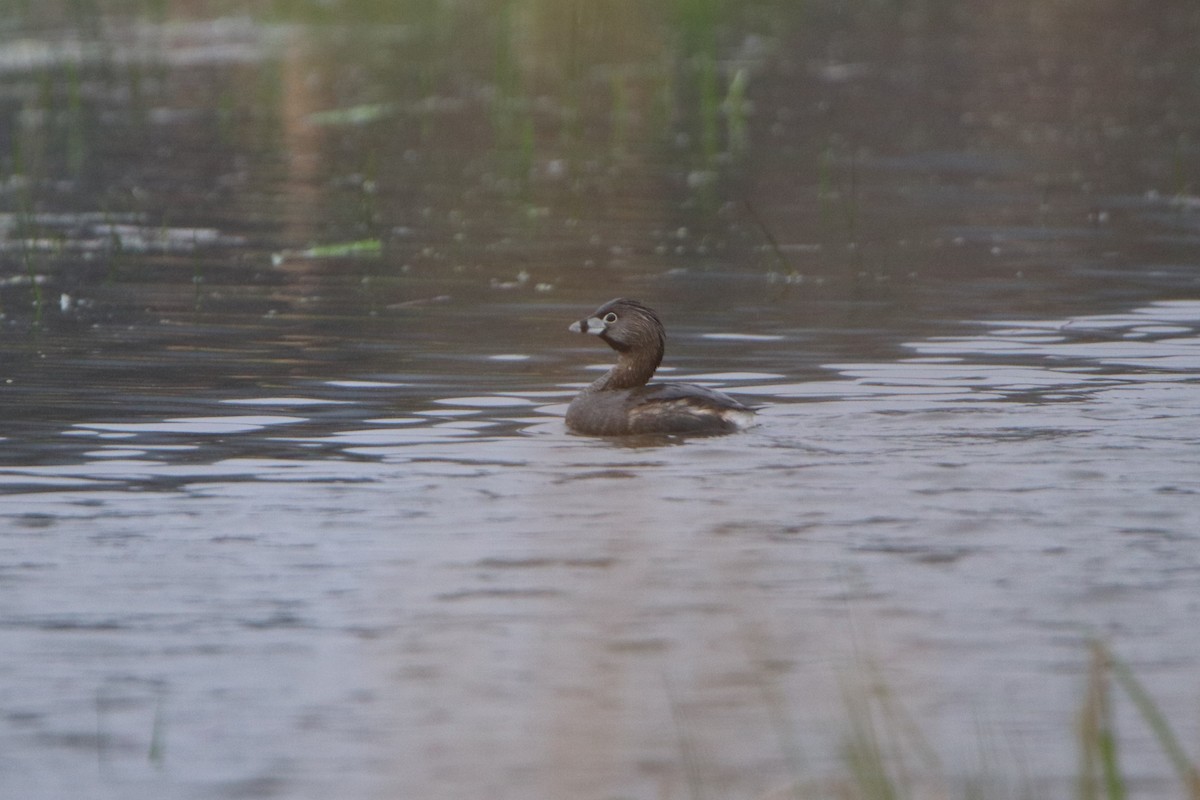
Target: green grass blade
[1150, 712]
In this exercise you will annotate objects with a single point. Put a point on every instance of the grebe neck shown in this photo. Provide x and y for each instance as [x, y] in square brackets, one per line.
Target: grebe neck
[634, 368]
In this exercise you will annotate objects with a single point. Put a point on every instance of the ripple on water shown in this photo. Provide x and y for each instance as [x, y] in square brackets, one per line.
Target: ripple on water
[485, 401]
[114, 453]
[1153, 338]
[283, 401]
[358, 441]
[194, 425]
[366, 384]
[1160, 329]
[742, 337]
[728, 377]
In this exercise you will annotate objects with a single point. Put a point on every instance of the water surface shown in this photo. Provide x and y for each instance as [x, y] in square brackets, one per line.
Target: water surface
[287, 508]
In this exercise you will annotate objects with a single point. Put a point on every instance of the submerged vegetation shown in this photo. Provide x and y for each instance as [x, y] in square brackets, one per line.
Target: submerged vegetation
[346, 133]
[461, 136]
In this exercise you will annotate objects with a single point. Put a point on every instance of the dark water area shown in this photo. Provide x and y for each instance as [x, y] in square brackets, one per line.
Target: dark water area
[287, 507]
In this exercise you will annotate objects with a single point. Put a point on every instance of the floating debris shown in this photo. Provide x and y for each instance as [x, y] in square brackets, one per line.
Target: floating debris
[364, 248]
[522, 279]
[419, 302]
[355, 115]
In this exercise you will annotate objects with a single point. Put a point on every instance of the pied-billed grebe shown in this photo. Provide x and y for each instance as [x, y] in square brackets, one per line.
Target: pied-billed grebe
[620, 402]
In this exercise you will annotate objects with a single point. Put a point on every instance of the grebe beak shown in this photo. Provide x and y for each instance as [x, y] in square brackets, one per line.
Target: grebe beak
[592, 325]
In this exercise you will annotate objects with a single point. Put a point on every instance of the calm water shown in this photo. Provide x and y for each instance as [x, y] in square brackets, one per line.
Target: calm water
[287, 508]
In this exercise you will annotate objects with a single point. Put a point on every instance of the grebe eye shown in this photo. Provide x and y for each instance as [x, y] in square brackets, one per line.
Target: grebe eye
[610, 318]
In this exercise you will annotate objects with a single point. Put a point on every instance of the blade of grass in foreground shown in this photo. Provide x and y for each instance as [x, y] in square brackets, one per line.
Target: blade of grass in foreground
[1099, 769]
[1187, 771]
[883, 743]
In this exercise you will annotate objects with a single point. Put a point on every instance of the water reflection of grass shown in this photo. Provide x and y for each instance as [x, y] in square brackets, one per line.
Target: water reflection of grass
[512, 108]
[573, 95]
[23, 221]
